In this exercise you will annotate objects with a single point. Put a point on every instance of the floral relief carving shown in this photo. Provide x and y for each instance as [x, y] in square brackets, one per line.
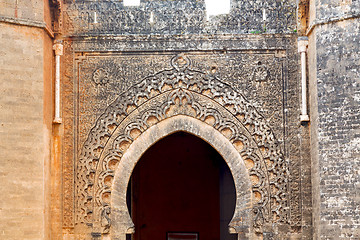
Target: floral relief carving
[101, 76]
[260, 73]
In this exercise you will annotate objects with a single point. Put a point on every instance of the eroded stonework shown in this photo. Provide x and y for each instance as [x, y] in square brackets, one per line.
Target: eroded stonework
[177, 17]
[124, 76]
[179, 87]
[104, 77]
[131, 76]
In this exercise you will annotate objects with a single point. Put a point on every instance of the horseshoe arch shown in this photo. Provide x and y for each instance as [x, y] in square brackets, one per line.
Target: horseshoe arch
[121, 218]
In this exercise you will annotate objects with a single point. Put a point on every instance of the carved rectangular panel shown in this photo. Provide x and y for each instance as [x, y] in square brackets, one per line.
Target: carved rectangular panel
[262, 70]
[102, 77]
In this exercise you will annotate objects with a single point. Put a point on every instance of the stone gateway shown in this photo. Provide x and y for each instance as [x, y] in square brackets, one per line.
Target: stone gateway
[159, 121]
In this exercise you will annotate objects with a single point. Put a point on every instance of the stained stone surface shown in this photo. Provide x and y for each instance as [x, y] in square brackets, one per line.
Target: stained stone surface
[336, 119]
[127, 81]
[178, 18]
[122, 74]
[328, 9]
[257, 76]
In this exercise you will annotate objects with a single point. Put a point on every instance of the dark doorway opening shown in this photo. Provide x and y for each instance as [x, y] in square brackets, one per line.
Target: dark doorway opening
[181, 184]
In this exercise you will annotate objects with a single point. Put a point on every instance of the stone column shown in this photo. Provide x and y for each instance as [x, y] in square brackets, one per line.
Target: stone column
[58, 48]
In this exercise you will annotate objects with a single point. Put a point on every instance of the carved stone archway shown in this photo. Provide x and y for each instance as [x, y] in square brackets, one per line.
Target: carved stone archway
[107, 159]
[122, 222]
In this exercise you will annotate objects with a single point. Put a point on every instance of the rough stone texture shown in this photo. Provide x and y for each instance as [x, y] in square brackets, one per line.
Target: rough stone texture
[32, 10]
[112, 58]
[261, 68]
[23, 138]
[104, 77]
[329, 9]
[177, 18]
[25, 120]
[115, 53]
[335, 126]
[100, 71]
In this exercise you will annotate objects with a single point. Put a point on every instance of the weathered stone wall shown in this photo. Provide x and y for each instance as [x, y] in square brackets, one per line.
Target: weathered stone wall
[110, 51]
[22, 132]
[178, 18]
[32, 10]
[25, 120]
[334, 69]
[331, 9]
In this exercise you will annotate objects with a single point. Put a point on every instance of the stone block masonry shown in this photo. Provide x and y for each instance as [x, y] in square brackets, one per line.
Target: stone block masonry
[22, 133]
[336, 125]
[129, 73]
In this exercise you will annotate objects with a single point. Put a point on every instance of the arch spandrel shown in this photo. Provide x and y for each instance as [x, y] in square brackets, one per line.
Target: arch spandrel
[191, 93]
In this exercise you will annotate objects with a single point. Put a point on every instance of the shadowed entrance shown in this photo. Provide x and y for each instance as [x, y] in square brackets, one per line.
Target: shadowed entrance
[181, 184]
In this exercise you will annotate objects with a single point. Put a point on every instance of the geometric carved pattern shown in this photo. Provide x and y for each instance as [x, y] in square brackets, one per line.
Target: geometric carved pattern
[181, 91]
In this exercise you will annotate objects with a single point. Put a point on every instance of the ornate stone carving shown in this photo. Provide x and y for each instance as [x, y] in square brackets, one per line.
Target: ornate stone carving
[127, 68]
[181, 91]
[57, 15]
[101, 76]
[69, 129]
[260, 73]
[116, 74]
[59, 49]
[105, 219]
